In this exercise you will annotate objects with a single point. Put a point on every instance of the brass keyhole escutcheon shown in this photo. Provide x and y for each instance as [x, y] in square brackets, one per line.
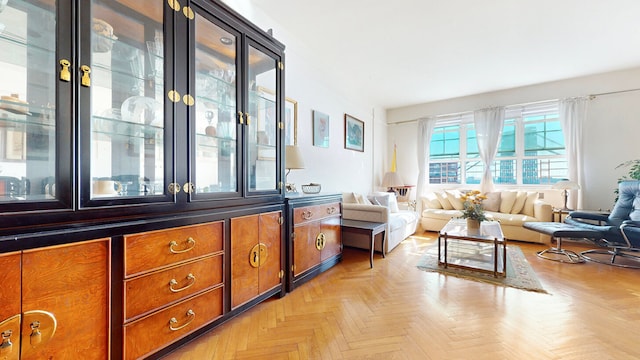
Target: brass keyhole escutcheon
[258, 255]
[86, 79]
[320, 241]
[174, 188]
[65, 74]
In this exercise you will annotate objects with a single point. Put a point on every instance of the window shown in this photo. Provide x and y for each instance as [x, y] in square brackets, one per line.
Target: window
[531, 149]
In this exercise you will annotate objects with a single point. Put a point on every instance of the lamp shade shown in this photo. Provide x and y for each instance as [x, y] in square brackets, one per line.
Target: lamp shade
[566, 185]
[391, 179]
[293, 158]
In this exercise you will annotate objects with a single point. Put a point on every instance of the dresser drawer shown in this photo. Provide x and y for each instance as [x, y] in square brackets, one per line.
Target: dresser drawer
[152, 333]
[154, 249]
[149, 292]
[315, 212]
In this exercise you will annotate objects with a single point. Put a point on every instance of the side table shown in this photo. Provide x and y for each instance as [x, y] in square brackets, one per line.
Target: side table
[368, 228]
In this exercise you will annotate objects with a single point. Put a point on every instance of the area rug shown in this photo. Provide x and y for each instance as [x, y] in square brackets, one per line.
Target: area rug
[520, 275]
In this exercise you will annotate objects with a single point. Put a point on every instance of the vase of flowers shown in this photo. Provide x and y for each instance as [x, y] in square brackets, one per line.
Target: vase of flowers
[473, 211]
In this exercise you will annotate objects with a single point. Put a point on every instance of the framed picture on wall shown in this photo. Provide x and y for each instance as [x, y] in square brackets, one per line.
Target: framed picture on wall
[320, 129]
[353, 133]
[290, 122]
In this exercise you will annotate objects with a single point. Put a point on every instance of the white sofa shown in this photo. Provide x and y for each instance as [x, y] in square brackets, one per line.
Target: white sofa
[378, 207]
[511, 208]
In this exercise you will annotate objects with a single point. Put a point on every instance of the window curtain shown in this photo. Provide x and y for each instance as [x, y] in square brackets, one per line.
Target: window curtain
[425, 130]
[488, 124]
[573, 113]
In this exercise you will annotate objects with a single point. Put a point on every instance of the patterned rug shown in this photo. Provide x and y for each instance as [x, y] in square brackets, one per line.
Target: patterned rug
[520, 275]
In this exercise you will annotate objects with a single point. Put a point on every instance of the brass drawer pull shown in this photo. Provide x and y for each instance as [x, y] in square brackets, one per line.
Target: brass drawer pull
[173, 244]
[190, 314]
[307, 215]
[174, 282]
[331, 210]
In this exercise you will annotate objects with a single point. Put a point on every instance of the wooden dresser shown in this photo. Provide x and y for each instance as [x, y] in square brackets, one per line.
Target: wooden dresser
[314, 238]
[173, 285]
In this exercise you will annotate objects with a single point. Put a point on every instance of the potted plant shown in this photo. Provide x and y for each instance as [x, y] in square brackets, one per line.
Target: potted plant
[473, 211]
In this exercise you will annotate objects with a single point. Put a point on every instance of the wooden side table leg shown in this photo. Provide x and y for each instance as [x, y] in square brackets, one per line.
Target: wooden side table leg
[384, 238]
[372, 248]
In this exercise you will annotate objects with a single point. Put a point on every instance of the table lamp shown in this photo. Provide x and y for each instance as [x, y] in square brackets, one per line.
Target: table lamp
[565, 186]
[293, 160]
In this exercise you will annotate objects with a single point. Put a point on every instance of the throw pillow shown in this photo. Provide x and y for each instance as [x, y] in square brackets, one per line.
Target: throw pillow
[492, 202]
[444, 202]
[507, 199]
[349, 198]
[521, 197]
[454, 197]
[430, 201]
[393, 204]
[361, 199]
[528, 205]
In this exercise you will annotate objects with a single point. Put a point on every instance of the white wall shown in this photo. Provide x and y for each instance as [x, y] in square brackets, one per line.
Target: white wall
[314, 87]
[610, 132]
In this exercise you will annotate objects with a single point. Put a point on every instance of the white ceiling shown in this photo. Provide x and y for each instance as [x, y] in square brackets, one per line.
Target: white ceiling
[404, 52]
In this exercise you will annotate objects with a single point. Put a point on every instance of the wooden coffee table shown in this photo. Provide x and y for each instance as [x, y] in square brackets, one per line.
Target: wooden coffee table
[484, 250]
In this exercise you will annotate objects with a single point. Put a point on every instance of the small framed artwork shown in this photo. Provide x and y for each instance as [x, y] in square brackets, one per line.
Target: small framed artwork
[290, 122]
[320, 129]
[353, 133]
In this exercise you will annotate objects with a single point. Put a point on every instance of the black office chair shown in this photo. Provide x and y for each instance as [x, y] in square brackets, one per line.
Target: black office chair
[619, 231]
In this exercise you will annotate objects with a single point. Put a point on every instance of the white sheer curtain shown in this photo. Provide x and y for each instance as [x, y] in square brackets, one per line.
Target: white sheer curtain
[573, 113]
[425, 130]
[488, 124]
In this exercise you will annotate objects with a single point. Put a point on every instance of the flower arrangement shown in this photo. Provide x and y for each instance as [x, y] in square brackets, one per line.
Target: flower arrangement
[472, 201]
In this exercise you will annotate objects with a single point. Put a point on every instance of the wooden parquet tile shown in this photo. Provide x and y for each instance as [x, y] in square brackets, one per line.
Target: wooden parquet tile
[396, 311]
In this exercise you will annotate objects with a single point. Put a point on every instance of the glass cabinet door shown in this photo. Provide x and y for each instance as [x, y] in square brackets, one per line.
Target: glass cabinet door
[127, 96]
[214, 157]
[28, 103]
[262, 122]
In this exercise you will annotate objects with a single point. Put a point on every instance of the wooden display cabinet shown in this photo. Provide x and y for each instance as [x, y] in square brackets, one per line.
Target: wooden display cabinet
[256, 256]
[35, 322]
[314, 236]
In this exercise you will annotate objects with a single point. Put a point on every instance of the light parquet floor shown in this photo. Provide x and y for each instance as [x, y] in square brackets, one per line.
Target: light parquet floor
[396, 311]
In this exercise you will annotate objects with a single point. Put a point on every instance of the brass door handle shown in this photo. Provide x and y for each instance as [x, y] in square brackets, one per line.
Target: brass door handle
[65, 74]
[174, 244]
[174, 282]
[38, 327]
[86, 79]
[241, 114]
[172, 321]
[320, 241]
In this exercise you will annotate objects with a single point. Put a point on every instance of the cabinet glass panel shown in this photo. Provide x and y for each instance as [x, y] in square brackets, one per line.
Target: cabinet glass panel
[127, 97]
[27, 100]
[263, 125]
[215, 108]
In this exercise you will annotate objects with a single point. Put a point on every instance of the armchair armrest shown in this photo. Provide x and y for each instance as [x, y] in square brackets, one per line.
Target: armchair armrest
[363, 212]
[589, 215]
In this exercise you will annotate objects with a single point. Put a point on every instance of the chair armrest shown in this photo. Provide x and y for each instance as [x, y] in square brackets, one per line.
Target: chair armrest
[363, 212]
[588, 215]
[631, 223]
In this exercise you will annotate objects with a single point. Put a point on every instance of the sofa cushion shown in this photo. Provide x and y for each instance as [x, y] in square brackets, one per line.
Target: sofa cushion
[492, 202]
[455, 198]
[507, 199]
[510, 219]
[441, 214]
[521, 197]
[444, 202]
[430, 201]
[528, 204]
